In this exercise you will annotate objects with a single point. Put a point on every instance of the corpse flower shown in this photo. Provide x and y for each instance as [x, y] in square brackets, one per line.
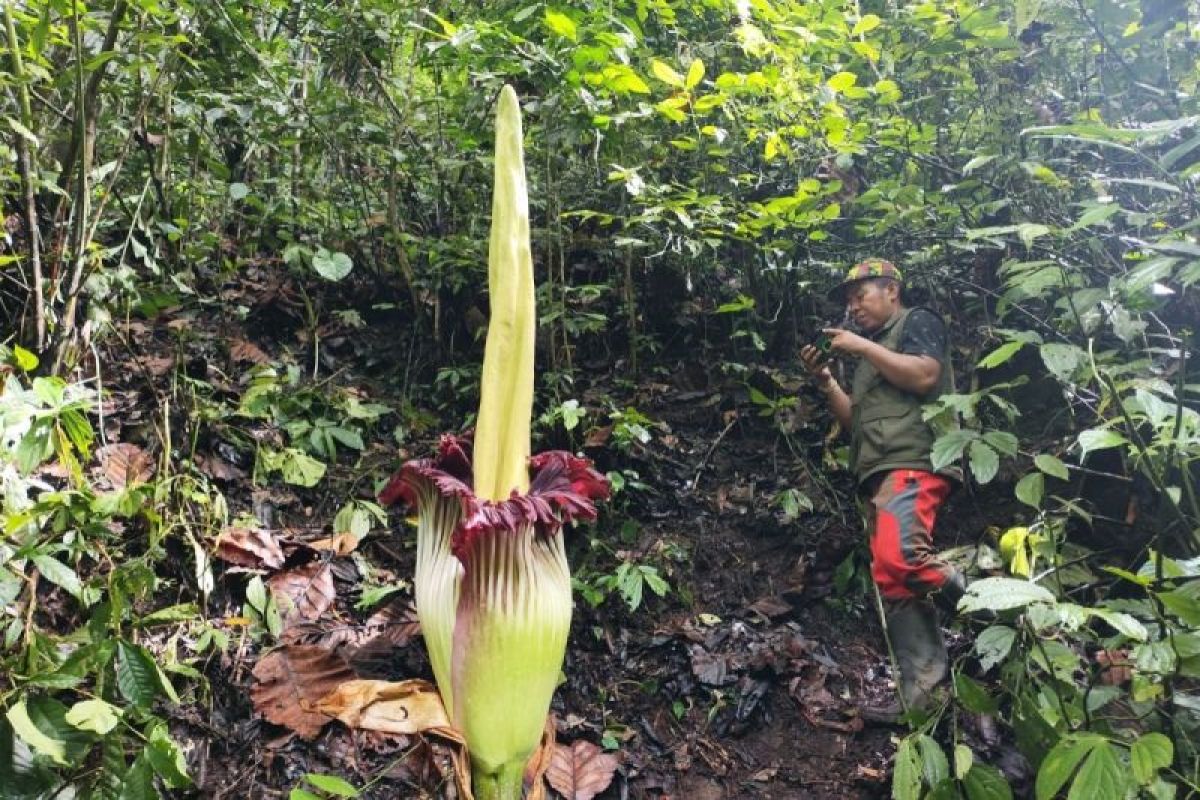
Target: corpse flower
[492, 584]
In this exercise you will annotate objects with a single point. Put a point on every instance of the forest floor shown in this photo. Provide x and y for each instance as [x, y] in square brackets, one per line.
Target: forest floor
[741, 681]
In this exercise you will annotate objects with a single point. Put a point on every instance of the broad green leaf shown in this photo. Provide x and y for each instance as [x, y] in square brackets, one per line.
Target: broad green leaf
[238, 191]
[561, 24]
[1060, 763]
[623, 80]
[1061, 359]
[666, 74]
[1001, 594]
[906, 777]
[299, 468]
[948, 448]
[1095, 214]
[332, 266]
[1052, 466]
[23, 132]
[977, 162]
[1126, 624]
[96, 716]
[182, 612]
[25, 360]
[32, 735]
[963, 759]
[1100, 439]
[1002, 442]
[165, 756]
[842, 81]
[59, 574]
[868, 23]
[985, 782]
[993, 644]
[985, 462]
[972, 696]
[695, 74]
[138, 782]
[1000, 355]
[1031, 489]
[1028, 231]
[1101, 777]
[933, 761]
[303, 794]
[331, 784]
[1150, 753]
[137, 674]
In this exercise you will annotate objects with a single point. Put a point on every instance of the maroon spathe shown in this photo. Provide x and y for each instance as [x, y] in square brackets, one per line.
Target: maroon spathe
[562, 488]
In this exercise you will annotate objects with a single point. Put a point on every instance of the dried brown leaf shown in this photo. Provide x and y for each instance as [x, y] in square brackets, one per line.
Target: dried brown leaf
[581, 770]
[539, 762]
[157, 366]
[250, 547]
[305, 592]
[125, 464]
[772, 607]
[291, 680]
[248, 352]
[412, 706]
[342, 544]
[709, 668]
[216, 467]
[598, 437]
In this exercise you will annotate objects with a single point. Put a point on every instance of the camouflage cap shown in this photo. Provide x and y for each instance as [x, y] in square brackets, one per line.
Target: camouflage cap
[863, 270]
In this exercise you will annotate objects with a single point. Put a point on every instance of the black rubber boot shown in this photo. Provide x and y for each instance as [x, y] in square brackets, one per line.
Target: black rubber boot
[919, 648]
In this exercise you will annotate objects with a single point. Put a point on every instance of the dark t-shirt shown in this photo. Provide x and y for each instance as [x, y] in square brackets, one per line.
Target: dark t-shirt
[924, 334]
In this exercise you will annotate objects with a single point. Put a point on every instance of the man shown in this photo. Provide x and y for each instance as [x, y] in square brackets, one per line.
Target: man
[903, 363]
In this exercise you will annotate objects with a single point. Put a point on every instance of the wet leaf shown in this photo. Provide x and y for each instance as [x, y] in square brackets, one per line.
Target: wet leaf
[125, 464]
[581, 770]
[250, 547]
[290, 681]
[305, 592]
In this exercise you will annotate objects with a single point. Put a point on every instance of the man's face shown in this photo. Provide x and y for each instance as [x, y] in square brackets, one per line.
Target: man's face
[871, 303]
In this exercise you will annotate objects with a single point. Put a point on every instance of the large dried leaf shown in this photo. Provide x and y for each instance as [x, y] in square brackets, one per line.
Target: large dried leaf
[290, 681]
[216, 467]
[539, 762]
[244, 351]
[412, 706]
[581, 770]
[305, 592]
[250, 547]
[342, 544]
[125, 464]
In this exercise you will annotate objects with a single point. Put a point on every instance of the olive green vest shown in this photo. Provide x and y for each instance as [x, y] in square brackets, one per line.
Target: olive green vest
[886, 428]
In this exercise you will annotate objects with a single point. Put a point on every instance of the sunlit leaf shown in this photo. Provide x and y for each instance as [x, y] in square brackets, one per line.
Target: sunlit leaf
[561, 24]
[842, 81]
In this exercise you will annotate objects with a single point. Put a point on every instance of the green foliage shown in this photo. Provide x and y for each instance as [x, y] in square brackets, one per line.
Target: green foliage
[702, 169]
[90, 694]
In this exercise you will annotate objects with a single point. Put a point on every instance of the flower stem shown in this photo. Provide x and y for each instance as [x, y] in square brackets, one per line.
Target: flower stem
[507, 783]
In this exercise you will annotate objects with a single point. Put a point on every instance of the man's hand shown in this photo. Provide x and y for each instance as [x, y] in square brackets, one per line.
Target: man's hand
[910, 373]
[848, 342]
[817, 365]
